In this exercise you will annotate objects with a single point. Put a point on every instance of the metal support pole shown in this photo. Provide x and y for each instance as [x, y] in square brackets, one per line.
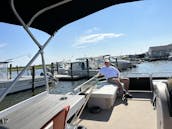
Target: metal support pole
[45, 71]
[41, 47]
[24, 25]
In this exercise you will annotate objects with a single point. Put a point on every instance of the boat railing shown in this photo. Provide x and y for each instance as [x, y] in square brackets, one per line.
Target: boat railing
[92, 81]
[85, 86]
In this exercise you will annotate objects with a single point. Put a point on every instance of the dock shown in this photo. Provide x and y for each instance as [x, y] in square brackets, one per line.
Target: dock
[75, 77]
[62, 77]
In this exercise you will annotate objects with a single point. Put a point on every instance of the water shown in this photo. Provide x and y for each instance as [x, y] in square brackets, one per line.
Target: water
[61, 87]
[155, 68]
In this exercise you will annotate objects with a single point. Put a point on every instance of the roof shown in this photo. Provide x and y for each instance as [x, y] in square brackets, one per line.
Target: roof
[53, 19]
[163, 47]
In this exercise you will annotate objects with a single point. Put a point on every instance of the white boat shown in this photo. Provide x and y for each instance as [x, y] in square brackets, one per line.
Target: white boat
[50, 111]
[97, 62]
[170, 58]
[24, 83]
[74, 70]
[121, 64]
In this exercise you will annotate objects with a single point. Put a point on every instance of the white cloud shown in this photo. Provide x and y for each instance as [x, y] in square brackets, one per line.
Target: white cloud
[94, 38]
[3, 45]
[92, 30]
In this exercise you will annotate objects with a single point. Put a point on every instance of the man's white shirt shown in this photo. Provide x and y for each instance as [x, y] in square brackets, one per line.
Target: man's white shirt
[109, 72]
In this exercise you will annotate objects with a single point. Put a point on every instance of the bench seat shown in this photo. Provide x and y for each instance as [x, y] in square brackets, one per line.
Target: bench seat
[103, 96]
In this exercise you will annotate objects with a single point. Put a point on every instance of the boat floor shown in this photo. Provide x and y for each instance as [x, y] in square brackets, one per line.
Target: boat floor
[138, 114]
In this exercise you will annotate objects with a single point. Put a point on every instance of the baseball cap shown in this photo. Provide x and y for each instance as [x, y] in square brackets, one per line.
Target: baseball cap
[106, 60]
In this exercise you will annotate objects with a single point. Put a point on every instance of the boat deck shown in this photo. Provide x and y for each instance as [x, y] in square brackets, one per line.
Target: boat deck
[138, 114]
[35, 112]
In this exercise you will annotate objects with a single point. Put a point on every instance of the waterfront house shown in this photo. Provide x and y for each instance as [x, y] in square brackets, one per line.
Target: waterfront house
[160, 52]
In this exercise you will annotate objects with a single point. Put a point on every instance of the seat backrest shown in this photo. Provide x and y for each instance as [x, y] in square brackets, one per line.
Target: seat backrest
[169, 95]
[164, 120]
[58, 121]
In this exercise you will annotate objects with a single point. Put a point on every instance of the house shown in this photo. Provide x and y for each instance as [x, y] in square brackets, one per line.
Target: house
[160, 52]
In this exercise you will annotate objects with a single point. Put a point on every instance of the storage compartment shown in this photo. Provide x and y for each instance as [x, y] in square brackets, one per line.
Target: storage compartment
[103, 96]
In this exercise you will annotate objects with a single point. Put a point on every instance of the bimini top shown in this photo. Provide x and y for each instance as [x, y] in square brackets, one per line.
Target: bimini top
[61, 13]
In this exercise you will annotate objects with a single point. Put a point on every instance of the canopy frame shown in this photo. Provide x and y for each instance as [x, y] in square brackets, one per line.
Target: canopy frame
[41, 47]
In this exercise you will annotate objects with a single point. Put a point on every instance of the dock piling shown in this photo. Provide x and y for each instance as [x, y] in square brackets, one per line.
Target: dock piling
[10, 71]
[52, 69]
[57, 67]
[87, 62]
[71, 70]
[17, 68]
[33, 78]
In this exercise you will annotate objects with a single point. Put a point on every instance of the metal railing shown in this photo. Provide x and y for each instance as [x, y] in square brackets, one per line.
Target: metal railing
[85, 86]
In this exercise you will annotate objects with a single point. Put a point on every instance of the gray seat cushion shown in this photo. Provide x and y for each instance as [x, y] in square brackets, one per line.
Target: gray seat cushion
[169, 94]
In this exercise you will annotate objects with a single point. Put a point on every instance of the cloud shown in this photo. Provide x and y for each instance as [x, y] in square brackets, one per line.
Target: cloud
[94, 38]
[3, 45]
[92, 30]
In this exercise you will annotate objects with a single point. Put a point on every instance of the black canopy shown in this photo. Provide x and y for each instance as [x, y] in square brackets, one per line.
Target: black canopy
[52, 20]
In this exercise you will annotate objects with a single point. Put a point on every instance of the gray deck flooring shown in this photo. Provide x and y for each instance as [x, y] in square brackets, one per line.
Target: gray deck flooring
[138, 114]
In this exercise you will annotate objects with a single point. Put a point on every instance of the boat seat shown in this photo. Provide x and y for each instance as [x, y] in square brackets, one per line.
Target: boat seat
[162, 91]
[58, 121]
[103, 96]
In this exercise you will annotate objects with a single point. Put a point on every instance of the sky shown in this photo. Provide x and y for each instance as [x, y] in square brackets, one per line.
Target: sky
[123, 29]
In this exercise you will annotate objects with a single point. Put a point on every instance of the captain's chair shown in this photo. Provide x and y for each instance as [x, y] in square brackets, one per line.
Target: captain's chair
[163, 91]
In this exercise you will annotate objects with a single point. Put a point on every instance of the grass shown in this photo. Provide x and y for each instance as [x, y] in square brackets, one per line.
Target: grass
[19, 68]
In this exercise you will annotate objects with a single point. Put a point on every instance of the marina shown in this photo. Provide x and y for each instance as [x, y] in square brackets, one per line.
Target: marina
[145, 69]
[94, 101]
[75, 70]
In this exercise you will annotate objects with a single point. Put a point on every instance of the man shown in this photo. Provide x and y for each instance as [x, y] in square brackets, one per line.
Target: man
[112, 75]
